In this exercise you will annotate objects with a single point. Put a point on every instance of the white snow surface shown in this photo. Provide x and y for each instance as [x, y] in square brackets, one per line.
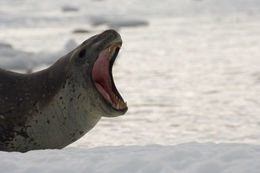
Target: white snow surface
[22, 61]
[182, 158]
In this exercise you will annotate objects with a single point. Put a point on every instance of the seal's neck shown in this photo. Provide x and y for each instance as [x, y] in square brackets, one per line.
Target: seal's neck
[47, 82]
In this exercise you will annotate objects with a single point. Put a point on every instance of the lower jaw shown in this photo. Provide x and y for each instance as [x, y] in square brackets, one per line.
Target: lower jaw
[113, 100]
[103, 92]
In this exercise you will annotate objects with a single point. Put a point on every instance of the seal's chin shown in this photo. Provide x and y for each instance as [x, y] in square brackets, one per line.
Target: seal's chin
[103, 79]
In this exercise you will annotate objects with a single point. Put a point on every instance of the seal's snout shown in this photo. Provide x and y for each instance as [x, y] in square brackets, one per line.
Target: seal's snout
[111, 32]
[111, 36]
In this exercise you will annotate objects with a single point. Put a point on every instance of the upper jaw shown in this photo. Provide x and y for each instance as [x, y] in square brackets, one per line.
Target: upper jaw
[116, 41]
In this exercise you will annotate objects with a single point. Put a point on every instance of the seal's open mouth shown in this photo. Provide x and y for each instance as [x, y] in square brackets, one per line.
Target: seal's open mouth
[103, 79]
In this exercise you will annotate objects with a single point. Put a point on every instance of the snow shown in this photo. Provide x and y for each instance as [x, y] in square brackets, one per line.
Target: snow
[182, 158]
[23, 61]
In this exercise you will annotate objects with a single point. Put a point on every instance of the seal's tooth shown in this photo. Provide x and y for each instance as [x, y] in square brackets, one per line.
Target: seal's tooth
[118, 103]
[117, 106]
[114, 96]
[122, 105]
[110, 50]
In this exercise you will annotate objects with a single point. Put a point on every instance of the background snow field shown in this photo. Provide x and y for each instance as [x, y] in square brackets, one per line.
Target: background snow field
[182, 158]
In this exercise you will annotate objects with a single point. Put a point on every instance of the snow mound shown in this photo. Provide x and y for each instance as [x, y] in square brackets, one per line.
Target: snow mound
[183, 158]
[13, 59]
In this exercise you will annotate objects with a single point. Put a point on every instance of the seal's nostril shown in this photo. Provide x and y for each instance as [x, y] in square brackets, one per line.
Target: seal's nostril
[82, 53]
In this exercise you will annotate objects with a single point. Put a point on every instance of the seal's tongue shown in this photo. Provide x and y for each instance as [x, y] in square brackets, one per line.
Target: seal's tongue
[102, 78]
[100, 74]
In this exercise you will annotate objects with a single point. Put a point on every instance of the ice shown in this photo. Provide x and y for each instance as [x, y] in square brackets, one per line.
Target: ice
[117, 22]
[182, 158]
[70, 45]
[18, 60]
[14, 59]
[69, 9]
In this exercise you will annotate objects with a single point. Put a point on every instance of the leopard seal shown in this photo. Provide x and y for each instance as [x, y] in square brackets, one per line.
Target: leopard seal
[54, 107]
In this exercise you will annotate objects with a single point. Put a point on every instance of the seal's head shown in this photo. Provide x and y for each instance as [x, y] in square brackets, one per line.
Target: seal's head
[93, 61]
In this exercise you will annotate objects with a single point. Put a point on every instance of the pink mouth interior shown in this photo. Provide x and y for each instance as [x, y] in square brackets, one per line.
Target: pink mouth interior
[100, 74]
[102, 78]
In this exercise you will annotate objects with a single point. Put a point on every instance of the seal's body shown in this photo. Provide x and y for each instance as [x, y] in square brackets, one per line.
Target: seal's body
[55, 107]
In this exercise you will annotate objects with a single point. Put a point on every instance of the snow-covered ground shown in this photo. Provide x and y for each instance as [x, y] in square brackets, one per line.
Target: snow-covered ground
[182, 158]
[189, 70]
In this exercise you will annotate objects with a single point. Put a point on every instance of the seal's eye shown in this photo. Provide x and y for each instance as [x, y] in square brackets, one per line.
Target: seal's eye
[82, 53]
